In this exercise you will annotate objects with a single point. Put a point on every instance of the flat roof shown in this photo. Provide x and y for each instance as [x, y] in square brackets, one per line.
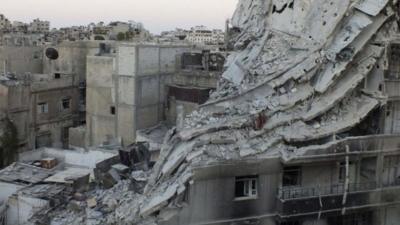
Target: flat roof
[65, 176]
[24, 173]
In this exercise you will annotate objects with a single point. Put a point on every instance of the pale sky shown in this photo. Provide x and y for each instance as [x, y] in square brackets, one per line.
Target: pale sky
[156, 15]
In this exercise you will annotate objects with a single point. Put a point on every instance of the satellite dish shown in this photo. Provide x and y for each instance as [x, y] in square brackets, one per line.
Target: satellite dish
[52, 53]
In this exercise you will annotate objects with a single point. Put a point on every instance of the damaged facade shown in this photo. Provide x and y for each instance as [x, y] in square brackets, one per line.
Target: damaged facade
[41, 107]
[301, 129]
[137, 86]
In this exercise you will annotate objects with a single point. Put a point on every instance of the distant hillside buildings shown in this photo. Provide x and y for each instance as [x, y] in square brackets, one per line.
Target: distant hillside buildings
[38, 32]
[199, 35]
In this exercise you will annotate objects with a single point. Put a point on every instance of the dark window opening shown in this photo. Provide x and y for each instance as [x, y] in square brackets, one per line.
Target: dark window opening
[57, 75]
[246, 187]
[66, 103]
[369, 126]
[112, 110]
[194, 95]
[291, 176]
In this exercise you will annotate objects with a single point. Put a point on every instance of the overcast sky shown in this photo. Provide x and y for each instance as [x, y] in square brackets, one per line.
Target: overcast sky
[156, 15]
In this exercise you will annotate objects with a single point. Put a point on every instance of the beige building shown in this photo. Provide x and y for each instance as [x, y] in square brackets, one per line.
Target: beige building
[4, 23]
[125, 90]
[39, 26]
[41, 106]
[21, 59]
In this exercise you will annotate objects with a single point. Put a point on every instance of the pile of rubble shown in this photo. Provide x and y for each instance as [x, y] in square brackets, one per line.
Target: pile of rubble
[295, 78]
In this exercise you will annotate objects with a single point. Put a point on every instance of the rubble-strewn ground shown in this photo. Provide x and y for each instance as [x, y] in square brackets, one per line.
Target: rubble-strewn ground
[295, 77]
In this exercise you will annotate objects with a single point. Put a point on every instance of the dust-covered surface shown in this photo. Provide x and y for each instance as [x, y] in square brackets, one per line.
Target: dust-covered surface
[295, 77]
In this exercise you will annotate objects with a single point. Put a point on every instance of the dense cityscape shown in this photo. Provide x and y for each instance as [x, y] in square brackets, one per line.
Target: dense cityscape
[287, 116]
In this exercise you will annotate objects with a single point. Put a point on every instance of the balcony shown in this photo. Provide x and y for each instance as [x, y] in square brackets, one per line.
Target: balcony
[299, 201]
[291, 193]
[392, 88]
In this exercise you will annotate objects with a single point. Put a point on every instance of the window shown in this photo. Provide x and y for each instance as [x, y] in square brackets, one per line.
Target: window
[42, 108]
[57, 75]
[291, 176]
[66, 103]
[246, 187]
[112, 110]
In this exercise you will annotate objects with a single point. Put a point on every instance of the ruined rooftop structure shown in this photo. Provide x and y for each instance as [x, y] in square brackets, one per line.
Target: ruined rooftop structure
[307, 83]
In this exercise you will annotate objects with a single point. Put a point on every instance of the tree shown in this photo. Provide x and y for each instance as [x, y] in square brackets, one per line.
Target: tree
[99, 38]
[121, 36]
[8, 143]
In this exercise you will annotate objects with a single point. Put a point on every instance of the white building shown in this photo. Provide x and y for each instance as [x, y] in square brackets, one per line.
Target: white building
[39, 26]
[203, 36]
[18, 26]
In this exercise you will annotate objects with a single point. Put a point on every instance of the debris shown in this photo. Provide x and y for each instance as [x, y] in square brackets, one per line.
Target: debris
[91, 202]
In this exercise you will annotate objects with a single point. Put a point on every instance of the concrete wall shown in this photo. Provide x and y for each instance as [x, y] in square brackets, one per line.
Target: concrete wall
[8, 189]
[212, 196]
[21, 59]
[134, 83]
[21, 208]
[77, 137]
[156, 66]
[57, 120]
[72, 58]
[18, 110]
[100, 97]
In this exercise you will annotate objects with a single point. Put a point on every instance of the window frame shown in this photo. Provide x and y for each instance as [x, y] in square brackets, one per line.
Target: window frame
[297, 169]
[43, 108]
[69, 99]
[113, 110]
[250, 185]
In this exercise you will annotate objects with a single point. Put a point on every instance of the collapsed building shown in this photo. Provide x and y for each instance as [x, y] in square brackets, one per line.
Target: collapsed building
[44, 179]
[302, 129]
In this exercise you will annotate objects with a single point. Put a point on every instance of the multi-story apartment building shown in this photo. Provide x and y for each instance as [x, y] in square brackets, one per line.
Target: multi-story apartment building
[137, 86]
[348, 178]
[202, 35]
[41, 106]
[125, 89]
[5, 24]
[39, 26]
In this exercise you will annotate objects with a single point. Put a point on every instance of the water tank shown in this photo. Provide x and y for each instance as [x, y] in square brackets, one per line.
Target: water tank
[52, 53]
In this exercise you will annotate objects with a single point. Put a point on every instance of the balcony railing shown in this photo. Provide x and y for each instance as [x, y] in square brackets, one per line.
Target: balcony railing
[289, 193]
